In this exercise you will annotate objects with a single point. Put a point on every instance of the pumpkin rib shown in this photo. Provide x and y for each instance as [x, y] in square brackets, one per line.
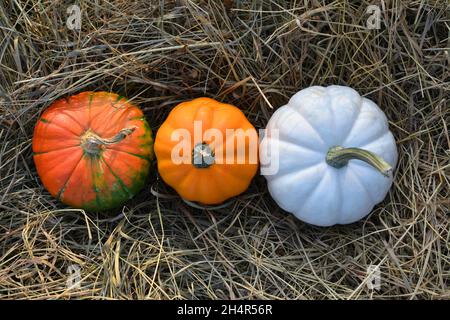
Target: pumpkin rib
[79, 190]
[68, 123]
[225, 187]
[186, 122]
[316, 131]
[56, 168]
[49, 122]
[74, 119]
[53, 150]
[220, 144]
[61, 191]
[368, 139]
[52, 131]
[60, 148]
[227, 172]
[119, 180]
[311, 193]
[232, 139]
[212, 189]
[295, 145]
[242, 119]
[165, 165]
[92, 119]
[280, 117]
[352, 124]
[124, 111]
[363, 186]
[205, 117]
[339, 193]
[91, 98]
[278, 176]
[130, 153]
[366, 144]
[190, 189]
[94, 184]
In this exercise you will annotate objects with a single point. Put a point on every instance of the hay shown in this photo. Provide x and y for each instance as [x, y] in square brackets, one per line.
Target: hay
[254, 54]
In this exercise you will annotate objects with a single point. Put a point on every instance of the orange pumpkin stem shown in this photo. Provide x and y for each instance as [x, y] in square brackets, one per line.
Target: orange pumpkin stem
[93, 144]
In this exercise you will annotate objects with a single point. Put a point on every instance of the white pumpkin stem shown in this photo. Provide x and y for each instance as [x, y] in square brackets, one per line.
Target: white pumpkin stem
[92, 143]
[338, 157]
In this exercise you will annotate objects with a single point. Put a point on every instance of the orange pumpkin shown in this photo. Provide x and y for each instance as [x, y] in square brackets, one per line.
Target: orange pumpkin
[207, 151]
[93, 150]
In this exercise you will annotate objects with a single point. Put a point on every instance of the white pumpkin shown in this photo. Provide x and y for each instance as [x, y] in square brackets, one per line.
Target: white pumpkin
[334, 153]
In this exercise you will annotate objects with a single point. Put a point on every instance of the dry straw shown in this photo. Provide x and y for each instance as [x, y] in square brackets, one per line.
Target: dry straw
[254, 54]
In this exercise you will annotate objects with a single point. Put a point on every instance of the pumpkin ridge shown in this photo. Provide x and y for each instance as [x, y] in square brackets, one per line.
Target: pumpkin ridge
[53, 150]
[74, 119]
[316, 131]
[296, 171]
[344, 139]
[195, 118]
[111, 114]
[227, 172]
[91, 98]
[63, 187]
[244, 124]
[186, 179]
[130, 153]
[94, 185]
[244, 184]
[378, 137]
[311, 193]
[339, 195]
[333, 114]
[363, 186]
[119, 180]
[296, 145]
[224, 140]
[68, 130]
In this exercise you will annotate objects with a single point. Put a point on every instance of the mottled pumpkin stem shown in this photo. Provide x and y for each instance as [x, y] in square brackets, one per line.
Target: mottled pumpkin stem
[338, 157]
[202, 156]
[92, 143]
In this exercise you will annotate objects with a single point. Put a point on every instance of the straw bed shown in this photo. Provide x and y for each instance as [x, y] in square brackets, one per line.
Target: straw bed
[255, 55]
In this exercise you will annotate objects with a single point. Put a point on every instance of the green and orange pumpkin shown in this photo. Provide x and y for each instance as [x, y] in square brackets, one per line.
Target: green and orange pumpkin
[93, 150]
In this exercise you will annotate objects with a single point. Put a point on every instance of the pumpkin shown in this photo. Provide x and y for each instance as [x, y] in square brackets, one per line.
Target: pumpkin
[202, 154]
[333, 153]
[92, 150]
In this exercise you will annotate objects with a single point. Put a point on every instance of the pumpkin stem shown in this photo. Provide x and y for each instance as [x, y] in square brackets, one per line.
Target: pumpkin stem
[202, 155]
[338, 157]
[93, 144]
